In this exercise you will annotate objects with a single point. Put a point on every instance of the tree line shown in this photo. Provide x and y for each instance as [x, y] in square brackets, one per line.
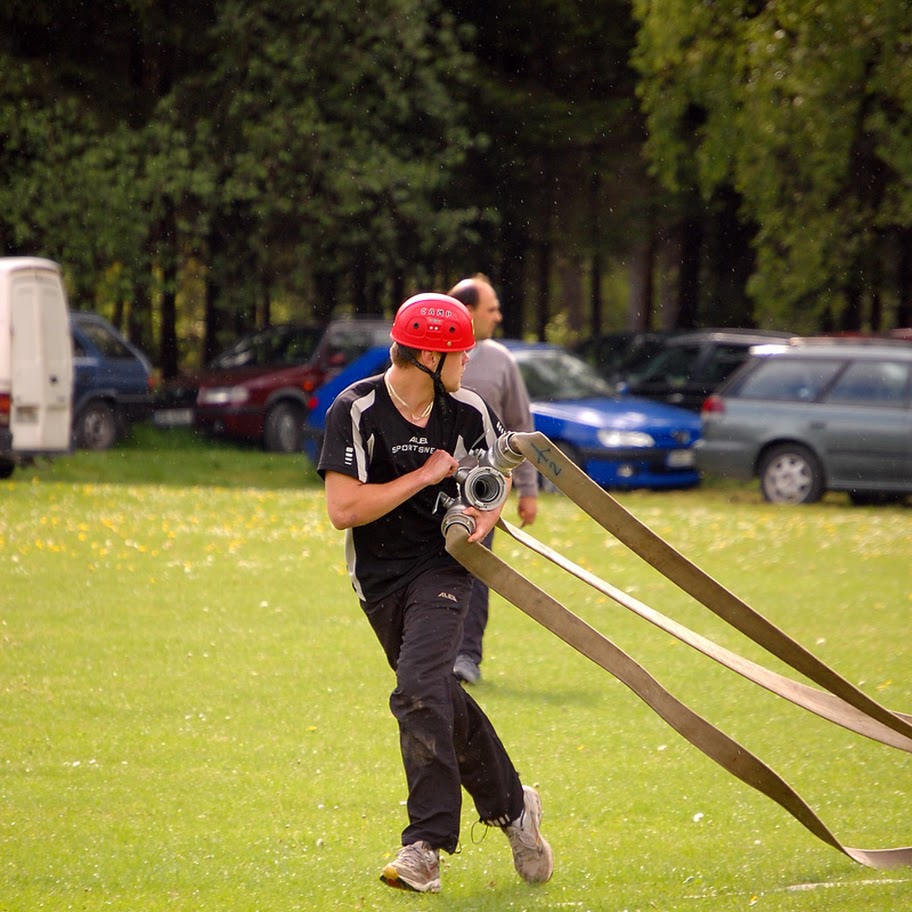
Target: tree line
[203, 169]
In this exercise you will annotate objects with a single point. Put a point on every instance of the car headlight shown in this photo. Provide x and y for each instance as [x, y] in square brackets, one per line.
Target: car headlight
[617, 439]
[223, 395]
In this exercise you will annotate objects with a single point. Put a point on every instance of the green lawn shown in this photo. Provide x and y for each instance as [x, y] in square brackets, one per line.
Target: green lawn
[194, 712]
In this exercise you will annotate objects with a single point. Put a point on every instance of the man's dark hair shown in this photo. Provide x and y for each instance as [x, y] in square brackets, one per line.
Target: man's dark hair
[402, 354]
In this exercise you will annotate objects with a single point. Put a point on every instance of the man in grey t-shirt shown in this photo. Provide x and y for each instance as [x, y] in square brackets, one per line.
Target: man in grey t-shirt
[493, 374]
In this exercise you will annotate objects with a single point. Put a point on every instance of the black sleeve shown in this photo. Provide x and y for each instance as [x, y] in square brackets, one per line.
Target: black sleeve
[340, 447]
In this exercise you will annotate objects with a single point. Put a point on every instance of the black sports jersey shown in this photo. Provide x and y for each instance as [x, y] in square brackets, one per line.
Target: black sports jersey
[369, 439]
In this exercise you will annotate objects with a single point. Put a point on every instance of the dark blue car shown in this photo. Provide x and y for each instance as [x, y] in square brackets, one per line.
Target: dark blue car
[112, 382]
[619, 441]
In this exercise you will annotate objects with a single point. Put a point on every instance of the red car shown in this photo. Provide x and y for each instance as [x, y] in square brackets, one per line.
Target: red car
[258, 389]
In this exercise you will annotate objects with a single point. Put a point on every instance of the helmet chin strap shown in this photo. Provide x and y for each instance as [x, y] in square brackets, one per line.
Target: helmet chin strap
[440, 393]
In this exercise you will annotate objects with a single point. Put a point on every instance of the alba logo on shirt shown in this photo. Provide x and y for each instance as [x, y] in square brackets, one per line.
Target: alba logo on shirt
[415, 445]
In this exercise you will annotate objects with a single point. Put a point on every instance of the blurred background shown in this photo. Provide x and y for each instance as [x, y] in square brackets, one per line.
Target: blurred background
[203, 170]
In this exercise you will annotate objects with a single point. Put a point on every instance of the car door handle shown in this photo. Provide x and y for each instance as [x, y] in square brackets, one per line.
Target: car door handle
[817, 425]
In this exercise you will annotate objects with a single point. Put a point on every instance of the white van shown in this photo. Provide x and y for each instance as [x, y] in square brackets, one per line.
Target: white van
[36, 362]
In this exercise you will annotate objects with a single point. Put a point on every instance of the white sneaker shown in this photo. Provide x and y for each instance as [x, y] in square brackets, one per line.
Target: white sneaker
[532, 856]
[415, 867]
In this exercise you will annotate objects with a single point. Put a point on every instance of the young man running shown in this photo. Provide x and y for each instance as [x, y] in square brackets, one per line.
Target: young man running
[392, 444]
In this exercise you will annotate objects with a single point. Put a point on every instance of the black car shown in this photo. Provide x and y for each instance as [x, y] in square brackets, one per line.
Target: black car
[691, 365]
[612, 353]
[112, 382]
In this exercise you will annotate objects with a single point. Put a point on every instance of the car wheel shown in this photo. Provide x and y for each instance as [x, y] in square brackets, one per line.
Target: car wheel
[95, 427]
[791, 474]
[284, 428]
[6, 468]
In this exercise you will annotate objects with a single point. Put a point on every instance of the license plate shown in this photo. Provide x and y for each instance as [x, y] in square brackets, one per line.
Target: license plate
[680, 459]
[173, 417]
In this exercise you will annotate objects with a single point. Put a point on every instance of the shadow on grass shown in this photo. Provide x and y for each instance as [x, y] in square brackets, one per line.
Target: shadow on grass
[524, 694]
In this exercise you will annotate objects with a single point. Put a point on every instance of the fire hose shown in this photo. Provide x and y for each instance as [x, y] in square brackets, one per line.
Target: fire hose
[839, 701]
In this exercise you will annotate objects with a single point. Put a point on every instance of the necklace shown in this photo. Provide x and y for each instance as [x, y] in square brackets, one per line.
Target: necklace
[403, 403]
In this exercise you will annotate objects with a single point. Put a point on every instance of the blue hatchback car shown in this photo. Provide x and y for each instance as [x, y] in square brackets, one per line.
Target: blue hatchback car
[619, 441]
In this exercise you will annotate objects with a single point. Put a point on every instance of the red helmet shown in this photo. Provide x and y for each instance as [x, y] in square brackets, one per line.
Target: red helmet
[434, 322]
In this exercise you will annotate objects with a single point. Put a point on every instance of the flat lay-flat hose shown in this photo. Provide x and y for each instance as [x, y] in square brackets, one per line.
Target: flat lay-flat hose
[840, 701]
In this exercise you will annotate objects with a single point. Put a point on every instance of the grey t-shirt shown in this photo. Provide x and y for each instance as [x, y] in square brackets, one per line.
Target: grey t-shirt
[492, 373]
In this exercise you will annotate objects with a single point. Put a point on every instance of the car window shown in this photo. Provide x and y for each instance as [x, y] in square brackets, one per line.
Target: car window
[787, 380]
[276, 345]
[345, 343]
[558, 375]
[871, 383]
[103, 340]
[673, 365]
[722, 361]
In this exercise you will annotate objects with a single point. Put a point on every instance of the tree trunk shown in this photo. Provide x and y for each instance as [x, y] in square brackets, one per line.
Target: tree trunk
[167, 348]
[512, 291]
[904, 281]
[595, 293]
[642, 281]
[689, 272]
[571, 300]
[595, 260]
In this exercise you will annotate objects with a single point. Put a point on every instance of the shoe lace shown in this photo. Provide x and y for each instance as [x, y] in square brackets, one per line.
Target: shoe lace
[485, 826]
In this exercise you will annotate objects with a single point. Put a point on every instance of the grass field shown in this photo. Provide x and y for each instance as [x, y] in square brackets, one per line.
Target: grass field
[194, 712]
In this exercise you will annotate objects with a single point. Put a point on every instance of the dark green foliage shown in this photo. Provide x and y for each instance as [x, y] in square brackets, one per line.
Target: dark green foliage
[804, 109]
[200, 169]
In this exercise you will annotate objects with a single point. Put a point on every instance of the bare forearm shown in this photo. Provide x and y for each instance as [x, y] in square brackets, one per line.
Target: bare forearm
[359, 504]
[351, 503]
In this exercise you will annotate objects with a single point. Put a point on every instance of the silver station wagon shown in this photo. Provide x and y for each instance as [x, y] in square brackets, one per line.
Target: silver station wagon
[815, 416]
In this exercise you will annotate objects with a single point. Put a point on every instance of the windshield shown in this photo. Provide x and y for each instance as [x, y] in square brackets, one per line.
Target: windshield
[673, 364]
[551, 374]
[278, 345]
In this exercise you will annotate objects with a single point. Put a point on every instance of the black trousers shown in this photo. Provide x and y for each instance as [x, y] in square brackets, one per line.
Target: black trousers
[447, 741]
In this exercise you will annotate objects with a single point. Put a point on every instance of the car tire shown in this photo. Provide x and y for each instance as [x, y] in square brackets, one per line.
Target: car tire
[791, 474]
[95, 427]
[6, 468]
[283, 430]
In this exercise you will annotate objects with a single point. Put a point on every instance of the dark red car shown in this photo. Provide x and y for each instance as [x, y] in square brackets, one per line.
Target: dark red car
[258, 389]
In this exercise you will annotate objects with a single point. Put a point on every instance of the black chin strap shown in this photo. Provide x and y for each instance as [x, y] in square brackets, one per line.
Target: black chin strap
[440, 394]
